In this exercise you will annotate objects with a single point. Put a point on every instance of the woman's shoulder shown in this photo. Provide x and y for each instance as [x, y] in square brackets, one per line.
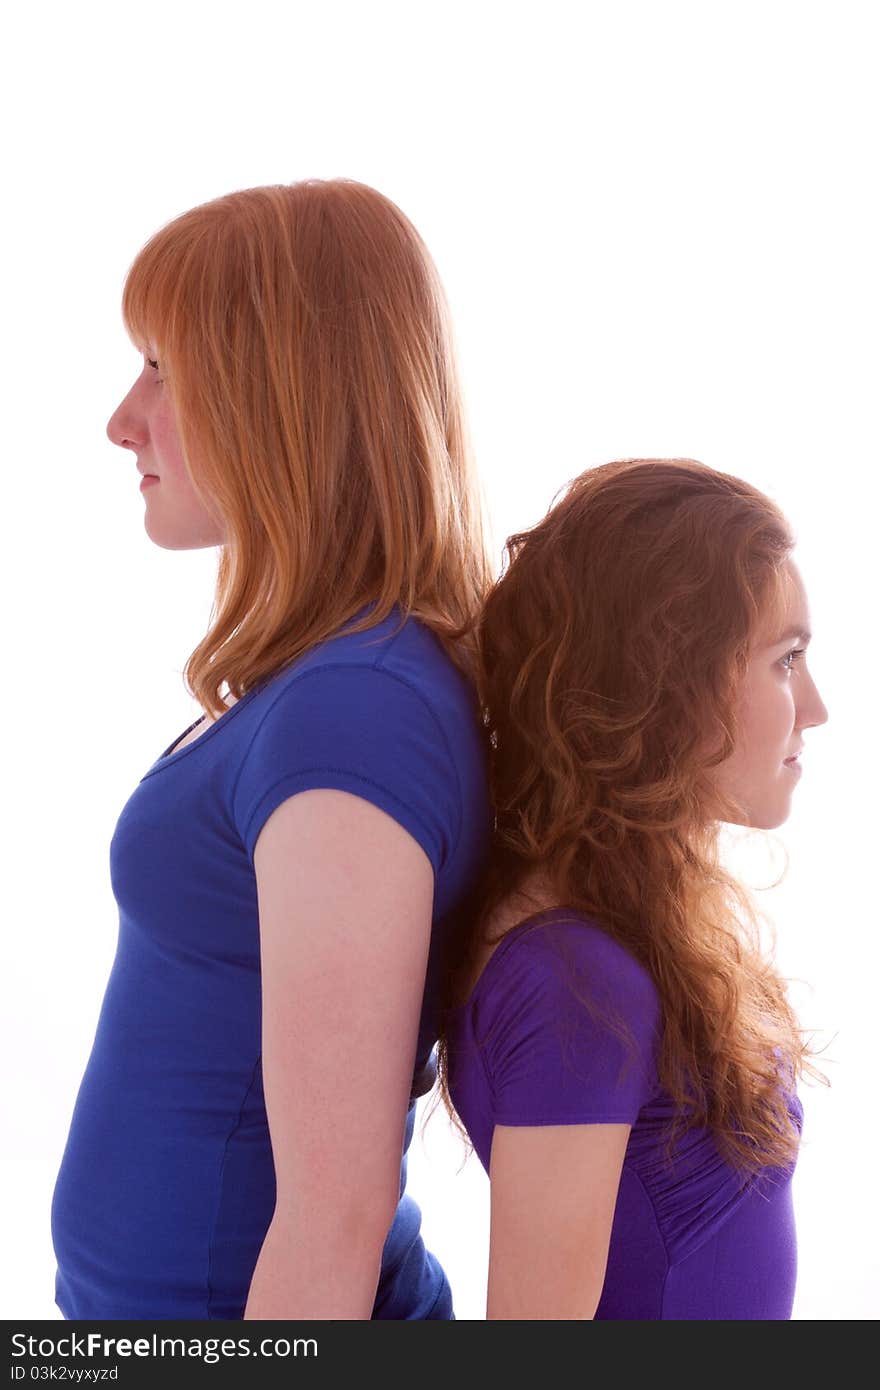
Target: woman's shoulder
[561, 1003]
[355, 716]
[399, 649]
[562, 954]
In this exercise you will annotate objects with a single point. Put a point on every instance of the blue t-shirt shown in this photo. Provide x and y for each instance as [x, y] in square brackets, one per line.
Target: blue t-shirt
[167, 1185]
[691, 1239]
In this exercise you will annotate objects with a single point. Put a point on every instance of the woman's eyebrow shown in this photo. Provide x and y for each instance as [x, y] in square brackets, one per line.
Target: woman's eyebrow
[793, 634]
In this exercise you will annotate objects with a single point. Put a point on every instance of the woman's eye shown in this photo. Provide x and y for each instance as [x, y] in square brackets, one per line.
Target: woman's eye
[793, 656]
[155, 366]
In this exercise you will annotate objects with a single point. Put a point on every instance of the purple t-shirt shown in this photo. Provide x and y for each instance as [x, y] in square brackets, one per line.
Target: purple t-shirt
[692, 1240]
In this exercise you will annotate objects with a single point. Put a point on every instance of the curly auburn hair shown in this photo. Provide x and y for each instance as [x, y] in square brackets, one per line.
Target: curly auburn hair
[611, 651]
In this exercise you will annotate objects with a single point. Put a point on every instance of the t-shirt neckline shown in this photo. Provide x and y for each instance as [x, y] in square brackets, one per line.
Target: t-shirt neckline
[172, 752]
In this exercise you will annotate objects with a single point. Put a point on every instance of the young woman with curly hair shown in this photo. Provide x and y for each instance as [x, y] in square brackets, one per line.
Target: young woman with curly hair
[286, 868]
[617, 1042]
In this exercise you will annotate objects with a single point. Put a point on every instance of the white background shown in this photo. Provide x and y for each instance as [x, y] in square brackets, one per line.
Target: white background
[657, 225]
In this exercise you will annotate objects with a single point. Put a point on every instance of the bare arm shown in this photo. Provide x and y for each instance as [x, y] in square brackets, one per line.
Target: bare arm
[345, 905]
[553, 1189]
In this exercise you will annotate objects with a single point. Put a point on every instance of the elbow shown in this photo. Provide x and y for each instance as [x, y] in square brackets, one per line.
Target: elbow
[368, 1222]
[349, 1221]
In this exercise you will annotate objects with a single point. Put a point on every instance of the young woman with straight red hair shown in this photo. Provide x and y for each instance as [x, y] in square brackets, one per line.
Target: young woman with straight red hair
[287, 868]
[617, 1042]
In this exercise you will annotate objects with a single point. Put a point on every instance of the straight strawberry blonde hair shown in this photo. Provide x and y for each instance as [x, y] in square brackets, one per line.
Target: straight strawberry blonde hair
[305, 338]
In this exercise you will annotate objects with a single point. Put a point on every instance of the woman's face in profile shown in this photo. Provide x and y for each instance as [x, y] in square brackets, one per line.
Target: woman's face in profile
[778, 702]
[144, 422]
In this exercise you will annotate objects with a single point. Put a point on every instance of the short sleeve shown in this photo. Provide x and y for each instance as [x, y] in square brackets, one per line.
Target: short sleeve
[360, 729]
[552, 1058]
